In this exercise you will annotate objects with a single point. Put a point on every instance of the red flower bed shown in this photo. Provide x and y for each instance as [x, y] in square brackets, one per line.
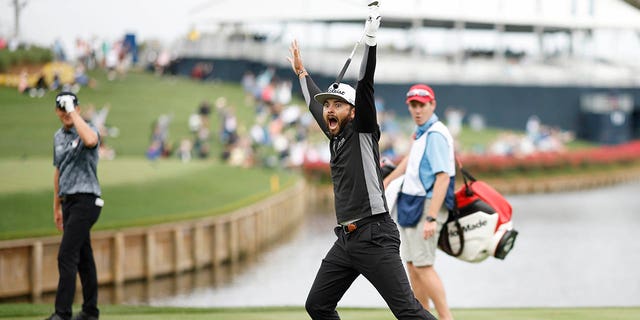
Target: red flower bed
[492, 164]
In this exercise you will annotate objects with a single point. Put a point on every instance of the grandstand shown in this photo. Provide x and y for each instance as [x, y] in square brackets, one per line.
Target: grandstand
[555, 50]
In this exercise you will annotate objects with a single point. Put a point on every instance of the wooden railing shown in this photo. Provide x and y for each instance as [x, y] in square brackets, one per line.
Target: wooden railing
[29, 267]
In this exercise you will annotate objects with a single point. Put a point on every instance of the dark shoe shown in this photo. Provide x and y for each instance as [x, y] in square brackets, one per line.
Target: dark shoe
[54, 316]
[83, 316]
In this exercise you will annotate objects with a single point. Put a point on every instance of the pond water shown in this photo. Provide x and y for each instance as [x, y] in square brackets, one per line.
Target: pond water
[573, 249]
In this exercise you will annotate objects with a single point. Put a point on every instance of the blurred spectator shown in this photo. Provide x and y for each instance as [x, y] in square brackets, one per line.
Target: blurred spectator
[55, 84]
[202, 70]
[23, 84]
[58, 51]
[80, 77]
[111, 63]
[533, 128]
[99, 119]
[454, 118]
[199, 127]
[184, 150]
[40, 87]
[229, 133]
[249, 86]
[160, 145]
[476, 122]
[283, 92]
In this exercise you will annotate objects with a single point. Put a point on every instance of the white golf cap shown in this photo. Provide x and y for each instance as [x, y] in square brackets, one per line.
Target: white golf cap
[343, 92]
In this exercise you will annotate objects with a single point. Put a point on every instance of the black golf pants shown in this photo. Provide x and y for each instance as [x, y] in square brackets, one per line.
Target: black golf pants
[373, 251]
[75, 255]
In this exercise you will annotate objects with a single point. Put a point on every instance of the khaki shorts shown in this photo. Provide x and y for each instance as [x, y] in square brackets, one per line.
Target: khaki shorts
[413, 247]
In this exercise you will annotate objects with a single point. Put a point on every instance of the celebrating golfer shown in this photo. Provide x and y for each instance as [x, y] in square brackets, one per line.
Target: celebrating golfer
[367, 238]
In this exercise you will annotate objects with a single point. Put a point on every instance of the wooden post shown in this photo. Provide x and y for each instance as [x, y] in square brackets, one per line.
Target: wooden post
[36, 271]
[234, 241]
[217, 241]
[198, 245]
[118, 258]
[251, 220]
[178, 246]
[257, 229]
[150, 253]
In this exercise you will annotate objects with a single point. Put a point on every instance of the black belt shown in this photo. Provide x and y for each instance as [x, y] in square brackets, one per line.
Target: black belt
[351, 227]
[75, 196]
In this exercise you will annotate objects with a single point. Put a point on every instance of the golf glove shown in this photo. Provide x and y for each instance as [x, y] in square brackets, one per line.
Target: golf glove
[372, 25]
[67, 103]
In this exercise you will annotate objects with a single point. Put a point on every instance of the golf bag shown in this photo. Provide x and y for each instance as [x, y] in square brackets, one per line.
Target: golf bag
[480, 224]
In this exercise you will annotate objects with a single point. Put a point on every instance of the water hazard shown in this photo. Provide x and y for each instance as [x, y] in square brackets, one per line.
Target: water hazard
[574, 249]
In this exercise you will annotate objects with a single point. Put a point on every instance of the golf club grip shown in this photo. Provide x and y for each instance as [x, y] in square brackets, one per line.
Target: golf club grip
[342, 72]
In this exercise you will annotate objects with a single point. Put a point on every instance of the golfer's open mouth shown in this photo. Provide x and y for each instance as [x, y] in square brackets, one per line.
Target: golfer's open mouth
[332, 122]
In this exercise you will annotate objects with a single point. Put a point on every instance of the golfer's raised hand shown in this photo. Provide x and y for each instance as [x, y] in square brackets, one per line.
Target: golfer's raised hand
[295, 59]
[67, 103]
[372, 24]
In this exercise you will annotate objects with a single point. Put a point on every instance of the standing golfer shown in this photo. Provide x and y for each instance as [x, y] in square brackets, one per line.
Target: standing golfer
[367, 238]
[76, 207]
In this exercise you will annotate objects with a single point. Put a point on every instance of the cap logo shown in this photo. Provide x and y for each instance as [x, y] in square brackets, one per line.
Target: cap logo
[418, 93]
[340, 92]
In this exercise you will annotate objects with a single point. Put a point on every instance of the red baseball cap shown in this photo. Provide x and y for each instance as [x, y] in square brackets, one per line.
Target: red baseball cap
[421, 93]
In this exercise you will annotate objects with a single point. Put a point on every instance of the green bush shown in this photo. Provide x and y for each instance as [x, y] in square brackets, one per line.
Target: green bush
[31, 55]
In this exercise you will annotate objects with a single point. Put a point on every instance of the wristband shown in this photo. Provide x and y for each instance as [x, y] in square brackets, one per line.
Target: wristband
[430, 219]
[300, 72]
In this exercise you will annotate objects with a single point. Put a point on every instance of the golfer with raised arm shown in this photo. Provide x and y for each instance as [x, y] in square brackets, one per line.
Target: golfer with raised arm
[76, 208]
[367, 238]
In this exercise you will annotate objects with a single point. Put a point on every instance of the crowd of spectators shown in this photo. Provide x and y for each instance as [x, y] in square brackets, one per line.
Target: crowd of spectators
[281, 133]
[284, 134]
[69, 69]
[538, 137]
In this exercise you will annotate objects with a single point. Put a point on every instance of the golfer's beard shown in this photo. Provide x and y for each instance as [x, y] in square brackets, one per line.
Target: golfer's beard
[341, 124]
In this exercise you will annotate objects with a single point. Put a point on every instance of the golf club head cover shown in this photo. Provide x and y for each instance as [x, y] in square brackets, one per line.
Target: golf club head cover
[373, 24]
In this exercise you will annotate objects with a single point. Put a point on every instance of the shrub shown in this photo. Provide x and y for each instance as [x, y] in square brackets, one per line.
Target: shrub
[30, 55]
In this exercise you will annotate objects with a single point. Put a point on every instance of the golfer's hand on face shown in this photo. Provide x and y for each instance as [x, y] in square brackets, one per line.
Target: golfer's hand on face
[429, 229]
[295, 59]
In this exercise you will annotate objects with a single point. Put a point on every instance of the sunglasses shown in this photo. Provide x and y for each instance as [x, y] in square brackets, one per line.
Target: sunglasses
[418, 93]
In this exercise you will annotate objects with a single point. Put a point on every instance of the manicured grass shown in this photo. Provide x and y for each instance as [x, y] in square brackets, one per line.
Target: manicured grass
[27, 124]
[36, 174]
[136, 192]
[30, 311]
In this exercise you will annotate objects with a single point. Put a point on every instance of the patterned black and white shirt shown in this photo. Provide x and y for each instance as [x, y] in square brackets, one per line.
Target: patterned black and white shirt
[78, 164]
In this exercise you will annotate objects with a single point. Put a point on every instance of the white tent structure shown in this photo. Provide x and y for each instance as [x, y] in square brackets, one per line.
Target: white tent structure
[564, 41]
[527, 14]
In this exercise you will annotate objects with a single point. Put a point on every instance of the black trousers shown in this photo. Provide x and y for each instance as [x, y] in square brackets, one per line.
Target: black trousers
[373, 251]
[75, 255]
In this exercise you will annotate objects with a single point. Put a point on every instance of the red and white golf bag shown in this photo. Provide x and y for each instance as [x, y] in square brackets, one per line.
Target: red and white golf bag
[480, 226]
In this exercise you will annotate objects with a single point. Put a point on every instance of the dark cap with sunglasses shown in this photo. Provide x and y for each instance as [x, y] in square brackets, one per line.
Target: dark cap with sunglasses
[60, 96]
[421, 93]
